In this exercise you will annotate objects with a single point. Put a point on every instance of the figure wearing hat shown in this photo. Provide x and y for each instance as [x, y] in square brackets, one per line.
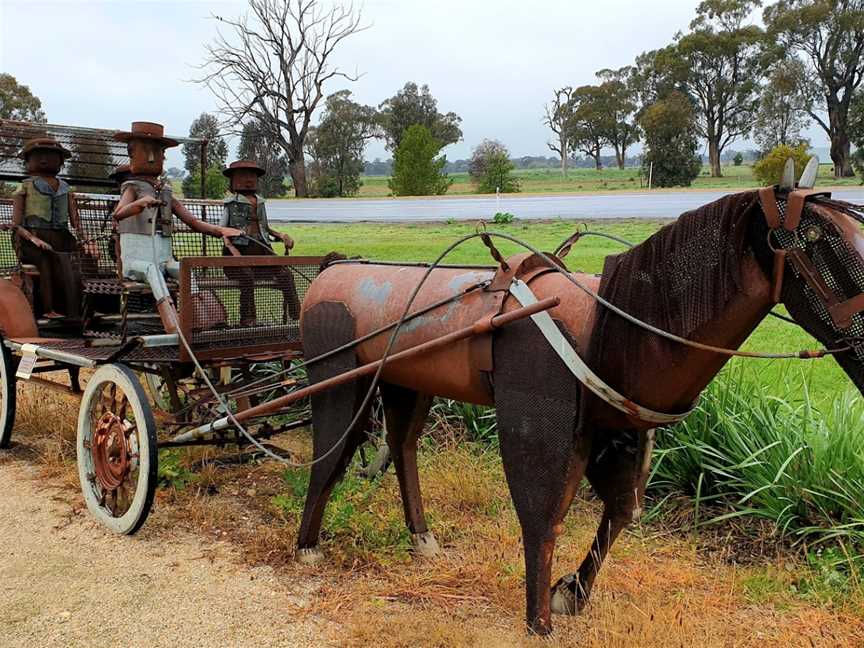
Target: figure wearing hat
[246, 211]
[43, 209]
[144, 217]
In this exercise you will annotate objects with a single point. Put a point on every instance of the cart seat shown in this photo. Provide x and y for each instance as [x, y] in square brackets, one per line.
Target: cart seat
[114, 286]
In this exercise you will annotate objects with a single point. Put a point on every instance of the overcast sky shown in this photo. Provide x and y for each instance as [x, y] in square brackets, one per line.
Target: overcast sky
[493, 62]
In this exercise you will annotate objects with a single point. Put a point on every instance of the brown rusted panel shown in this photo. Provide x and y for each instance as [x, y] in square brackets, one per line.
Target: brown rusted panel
[842, 313]
[795, 206]
[778, 272]
[768, 200]
[16, 315]
[811, 275]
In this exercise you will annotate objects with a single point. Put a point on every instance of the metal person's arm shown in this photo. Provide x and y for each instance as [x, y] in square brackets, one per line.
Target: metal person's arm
[128, 206]
[281, 236]
[199, 225]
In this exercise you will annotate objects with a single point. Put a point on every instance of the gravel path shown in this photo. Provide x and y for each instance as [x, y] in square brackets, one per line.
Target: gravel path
[66, 582]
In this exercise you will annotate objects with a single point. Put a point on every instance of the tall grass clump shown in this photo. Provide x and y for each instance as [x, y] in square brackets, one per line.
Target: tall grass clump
[743, 453]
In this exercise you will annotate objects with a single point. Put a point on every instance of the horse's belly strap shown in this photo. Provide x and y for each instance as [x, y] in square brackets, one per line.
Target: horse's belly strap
[523, 294]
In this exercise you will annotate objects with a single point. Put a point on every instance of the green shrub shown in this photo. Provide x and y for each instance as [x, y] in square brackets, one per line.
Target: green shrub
[769, 170]
[503, 218]
[750, 454]
[416, 170]
[491, 170]
[215, 184]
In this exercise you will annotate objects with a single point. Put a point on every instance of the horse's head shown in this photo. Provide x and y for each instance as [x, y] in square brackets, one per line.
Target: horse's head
[818, 268]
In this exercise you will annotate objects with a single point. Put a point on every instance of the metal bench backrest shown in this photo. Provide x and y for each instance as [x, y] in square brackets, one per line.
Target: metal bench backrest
[98, 229]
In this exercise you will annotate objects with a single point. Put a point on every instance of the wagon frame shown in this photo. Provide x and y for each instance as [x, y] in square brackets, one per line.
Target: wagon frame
[120, 338]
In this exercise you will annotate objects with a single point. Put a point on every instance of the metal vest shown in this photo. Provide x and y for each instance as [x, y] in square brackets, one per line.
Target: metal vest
[143, 222]
[43, 207]
[237, 213]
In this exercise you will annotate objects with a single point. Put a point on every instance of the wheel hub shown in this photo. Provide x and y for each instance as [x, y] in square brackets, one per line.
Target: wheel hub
[112, 461]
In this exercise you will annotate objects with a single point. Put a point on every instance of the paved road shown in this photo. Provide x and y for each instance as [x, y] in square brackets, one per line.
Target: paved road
[658, 204]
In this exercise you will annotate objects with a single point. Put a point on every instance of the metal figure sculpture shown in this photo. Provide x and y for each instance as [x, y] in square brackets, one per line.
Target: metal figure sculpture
[42, 211]
[246, 211]
[143, 217]
[704, 282]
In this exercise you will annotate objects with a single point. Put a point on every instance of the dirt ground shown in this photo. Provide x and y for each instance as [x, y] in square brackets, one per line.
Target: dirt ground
[213, 566]
[67, 582]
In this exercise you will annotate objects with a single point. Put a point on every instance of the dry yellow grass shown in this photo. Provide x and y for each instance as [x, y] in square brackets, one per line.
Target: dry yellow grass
[657, 588]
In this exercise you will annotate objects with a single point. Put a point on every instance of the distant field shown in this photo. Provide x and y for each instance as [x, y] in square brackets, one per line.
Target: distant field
[551, 181]
[583, 180]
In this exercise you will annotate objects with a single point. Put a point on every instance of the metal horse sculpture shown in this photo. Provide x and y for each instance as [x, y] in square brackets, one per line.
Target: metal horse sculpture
[711, 277]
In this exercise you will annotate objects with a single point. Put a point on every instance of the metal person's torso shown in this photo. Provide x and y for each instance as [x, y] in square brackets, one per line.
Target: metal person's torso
[242, 214]
[45, 207]
[159, 216]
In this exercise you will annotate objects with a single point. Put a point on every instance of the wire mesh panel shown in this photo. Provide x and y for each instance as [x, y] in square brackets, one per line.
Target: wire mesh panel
[235, 306]
[8, 258]
[94, 151]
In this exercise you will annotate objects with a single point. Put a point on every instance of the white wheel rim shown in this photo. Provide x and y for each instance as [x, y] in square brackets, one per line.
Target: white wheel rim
[5, 367]
[86, 468]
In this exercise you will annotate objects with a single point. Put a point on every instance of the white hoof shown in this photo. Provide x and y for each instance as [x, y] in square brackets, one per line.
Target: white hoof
[425, 544]
[564, 600]
[309, 556]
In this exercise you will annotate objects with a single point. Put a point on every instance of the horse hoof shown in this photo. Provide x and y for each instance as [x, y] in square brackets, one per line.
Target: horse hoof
[565, 600]
[425, 544]
[309, 556]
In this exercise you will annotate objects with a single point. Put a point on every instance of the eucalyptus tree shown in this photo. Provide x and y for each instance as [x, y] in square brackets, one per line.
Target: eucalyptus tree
[827, 36]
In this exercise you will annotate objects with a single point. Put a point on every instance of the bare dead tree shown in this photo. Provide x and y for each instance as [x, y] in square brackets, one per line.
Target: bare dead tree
[557, 118]
[272, 67]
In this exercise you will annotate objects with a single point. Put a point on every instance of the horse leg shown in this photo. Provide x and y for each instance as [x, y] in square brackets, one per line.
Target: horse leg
[544, 454]
[618, 472]
[326, 326]
[405, 413]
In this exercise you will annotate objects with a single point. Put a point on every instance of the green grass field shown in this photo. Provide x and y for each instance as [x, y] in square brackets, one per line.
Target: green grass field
[579, 180]
[423, 242]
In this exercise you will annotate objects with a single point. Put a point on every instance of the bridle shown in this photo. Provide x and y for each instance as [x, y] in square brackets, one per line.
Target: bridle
[788, 237]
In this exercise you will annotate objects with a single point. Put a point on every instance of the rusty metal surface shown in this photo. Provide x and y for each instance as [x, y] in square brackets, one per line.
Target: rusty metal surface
[483, 325]
[231, 306]
[377, 295]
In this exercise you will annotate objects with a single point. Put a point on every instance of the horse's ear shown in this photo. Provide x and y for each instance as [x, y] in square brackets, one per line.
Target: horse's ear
[788, 179]
[808, 177]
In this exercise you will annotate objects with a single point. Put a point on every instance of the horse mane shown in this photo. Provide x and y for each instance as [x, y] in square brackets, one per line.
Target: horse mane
[678, 279]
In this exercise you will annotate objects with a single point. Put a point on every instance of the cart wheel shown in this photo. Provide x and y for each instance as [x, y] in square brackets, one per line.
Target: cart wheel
[117, 453]
[7, 395]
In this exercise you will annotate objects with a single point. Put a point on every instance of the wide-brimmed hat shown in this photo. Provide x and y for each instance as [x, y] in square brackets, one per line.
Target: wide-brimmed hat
[146, 131]
[43, 144]
[243, 165]
[120, 170]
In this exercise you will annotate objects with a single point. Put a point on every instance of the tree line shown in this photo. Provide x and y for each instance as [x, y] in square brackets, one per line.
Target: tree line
[725, 79]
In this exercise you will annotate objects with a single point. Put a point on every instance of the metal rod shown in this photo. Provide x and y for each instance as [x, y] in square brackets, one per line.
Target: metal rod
[484, 325]
[50, 384]
[59, 356]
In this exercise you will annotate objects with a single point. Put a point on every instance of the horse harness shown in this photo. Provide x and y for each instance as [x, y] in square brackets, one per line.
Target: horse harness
[512, 279]
[832, 273]
[831, 270]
